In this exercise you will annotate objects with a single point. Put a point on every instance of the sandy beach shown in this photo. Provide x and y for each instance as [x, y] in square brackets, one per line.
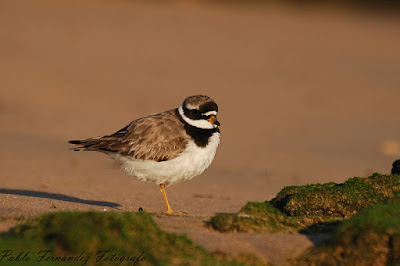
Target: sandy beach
[305, 96]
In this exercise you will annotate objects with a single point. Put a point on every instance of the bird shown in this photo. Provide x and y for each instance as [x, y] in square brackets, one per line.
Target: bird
[164, 148]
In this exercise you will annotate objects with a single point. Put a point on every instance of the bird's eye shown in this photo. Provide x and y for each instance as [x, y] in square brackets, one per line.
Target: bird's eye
[194, 114]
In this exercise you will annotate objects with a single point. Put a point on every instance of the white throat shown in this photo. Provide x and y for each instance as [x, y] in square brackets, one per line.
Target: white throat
[203, 124]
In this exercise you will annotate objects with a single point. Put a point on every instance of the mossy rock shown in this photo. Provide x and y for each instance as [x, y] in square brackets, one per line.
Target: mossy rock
[311, 208]
[370, 238]
[125, 234]
[396, 168]
[340, 200]
[255, 217]
[263, 217]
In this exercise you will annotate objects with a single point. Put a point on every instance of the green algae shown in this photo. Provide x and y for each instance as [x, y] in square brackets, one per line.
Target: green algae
[255, 217]
[311, 208]
[100, 235]
[340, 200]
[371, 237]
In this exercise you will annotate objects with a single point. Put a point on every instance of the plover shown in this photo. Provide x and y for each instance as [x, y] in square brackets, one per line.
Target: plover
[164, 148]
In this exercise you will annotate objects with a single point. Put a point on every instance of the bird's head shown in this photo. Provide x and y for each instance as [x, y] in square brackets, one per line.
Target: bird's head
[199, 111]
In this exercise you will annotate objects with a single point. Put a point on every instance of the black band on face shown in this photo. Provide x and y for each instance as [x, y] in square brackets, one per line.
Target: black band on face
[210, 106]
[195, 114]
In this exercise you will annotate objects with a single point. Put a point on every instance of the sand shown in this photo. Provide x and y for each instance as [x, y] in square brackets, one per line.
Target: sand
[305, 95]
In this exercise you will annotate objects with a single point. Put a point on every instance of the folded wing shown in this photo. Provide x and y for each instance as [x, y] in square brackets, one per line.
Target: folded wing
[159, 137]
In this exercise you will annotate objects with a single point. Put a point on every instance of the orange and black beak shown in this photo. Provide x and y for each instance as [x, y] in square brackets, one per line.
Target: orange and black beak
[213, 120]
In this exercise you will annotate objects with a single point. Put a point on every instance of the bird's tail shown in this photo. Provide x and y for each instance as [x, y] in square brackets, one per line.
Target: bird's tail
[82, 145]
[101, 144]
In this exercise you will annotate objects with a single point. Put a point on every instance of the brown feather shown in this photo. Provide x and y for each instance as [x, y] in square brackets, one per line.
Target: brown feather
[158, 137]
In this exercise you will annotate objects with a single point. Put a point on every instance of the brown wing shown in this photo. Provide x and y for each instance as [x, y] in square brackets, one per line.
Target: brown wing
[159, 137]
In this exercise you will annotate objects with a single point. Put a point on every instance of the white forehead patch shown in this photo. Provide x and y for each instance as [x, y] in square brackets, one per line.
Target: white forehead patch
[210, 113]
[190, 107]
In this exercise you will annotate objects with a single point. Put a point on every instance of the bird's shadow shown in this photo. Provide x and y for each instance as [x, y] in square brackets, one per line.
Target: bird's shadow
[47, 195]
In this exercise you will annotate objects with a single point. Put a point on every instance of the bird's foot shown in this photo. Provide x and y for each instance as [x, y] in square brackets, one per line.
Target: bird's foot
[171, 212]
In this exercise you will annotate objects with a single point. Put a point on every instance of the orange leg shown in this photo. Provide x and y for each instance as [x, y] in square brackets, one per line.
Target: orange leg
[169, 209]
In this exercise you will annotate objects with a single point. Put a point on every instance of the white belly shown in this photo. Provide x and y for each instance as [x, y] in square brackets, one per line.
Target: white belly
[190, 163]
